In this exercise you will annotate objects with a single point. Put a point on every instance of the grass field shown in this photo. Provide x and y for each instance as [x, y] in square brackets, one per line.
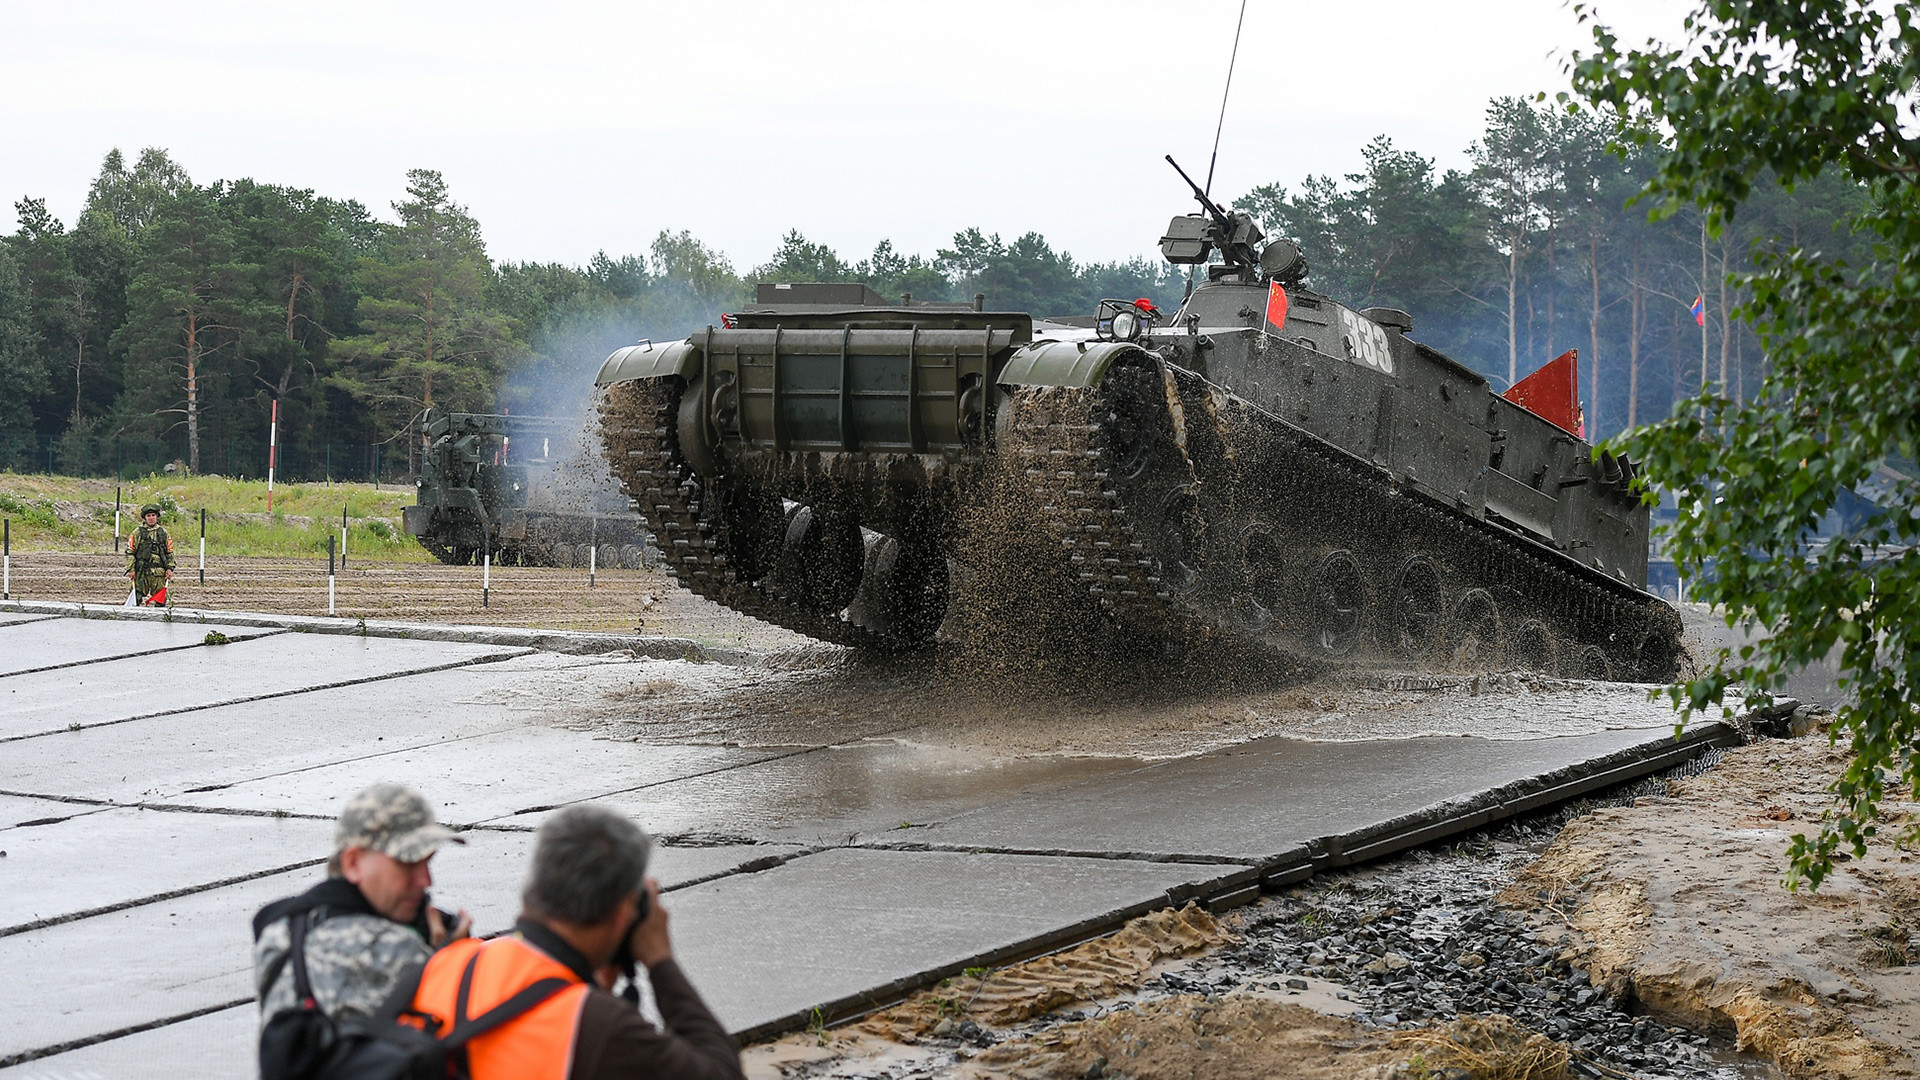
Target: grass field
[64, 513]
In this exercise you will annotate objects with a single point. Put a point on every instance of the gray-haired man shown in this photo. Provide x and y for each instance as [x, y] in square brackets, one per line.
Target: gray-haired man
[370, 920]
[588, 907]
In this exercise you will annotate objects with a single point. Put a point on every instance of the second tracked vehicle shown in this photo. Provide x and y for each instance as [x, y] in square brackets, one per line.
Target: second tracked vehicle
[517, 490]
[1266, 467]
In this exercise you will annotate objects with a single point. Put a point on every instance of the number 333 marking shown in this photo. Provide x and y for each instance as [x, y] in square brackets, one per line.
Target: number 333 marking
[1366, 342]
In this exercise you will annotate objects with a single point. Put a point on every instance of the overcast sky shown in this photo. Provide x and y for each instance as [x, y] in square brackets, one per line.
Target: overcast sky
[569, 128]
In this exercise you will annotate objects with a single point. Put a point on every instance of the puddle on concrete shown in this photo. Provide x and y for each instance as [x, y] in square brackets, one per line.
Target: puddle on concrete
[832, 699]
[883, 789]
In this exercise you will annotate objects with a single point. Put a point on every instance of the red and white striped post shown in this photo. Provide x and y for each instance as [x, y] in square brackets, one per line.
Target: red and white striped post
[273, 451]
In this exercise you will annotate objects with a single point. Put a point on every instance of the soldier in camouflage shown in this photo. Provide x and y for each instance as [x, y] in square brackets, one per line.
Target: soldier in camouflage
[149, 555]
[370, 920]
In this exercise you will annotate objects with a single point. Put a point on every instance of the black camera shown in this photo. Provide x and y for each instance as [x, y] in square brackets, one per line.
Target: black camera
[623, 956]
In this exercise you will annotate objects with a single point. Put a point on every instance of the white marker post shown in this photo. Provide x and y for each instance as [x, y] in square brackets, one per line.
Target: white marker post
[343, 536]
[593, 548]
[116, 517]
[6, 559]
[203, 547]
[486, 577]
[273, 450]
[329, 576]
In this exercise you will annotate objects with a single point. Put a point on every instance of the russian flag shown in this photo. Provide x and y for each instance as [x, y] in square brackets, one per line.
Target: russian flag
[1699, 310]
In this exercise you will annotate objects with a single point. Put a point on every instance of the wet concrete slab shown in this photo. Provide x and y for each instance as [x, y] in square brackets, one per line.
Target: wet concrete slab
[759, 949]
[837, 792]
[166, 756]
[492, 777]
[111, 972]
[214, 1046]
[1280, 802]
[64, 642]
[115, 690]
[121, 856]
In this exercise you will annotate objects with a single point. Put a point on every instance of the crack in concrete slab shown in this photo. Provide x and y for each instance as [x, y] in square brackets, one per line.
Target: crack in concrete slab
[142, 901]
[489, 658]
[24, 1056]
[131, 655]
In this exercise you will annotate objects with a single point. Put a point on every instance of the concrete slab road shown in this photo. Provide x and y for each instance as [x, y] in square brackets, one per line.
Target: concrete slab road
[136, 842]
[1283, 803]
[255, 669]
[845, 929]
[54, 643]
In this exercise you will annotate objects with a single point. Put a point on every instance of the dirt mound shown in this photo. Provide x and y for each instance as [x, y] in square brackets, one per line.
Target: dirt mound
[1678, 902]
[1086, 972]
[1197, 1038]
[1192, 1037]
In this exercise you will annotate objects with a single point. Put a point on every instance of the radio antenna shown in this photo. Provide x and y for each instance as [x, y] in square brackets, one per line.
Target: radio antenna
[1215, 159]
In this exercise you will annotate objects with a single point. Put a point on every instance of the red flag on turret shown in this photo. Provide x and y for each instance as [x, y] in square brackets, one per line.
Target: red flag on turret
[1276, 306]
[1553, 392]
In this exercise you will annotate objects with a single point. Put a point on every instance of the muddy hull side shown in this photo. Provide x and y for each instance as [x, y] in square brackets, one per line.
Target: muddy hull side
[1188, 513]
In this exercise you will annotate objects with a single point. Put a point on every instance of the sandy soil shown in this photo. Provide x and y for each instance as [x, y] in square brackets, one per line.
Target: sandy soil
[1114, 1030]
[1679, 902]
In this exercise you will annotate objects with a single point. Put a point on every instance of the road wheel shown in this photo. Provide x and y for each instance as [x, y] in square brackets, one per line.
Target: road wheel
[820, 561]
[1533, 648]
[1339, 603]
[905, 592]
[1474, 631]
[1419, 608]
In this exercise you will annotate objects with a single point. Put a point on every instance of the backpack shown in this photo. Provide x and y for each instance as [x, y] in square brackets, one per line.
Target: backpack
[304, 1043]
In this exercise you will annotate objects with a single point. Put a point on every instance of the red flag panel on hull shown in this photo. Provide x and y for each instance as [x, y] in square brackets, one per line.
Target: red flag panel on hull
[1553, 392]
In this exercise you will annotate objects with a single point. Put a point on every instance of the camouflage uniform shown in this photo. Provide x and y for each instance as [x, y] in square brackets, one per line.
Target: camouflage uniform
[355, 955]
[149, 557]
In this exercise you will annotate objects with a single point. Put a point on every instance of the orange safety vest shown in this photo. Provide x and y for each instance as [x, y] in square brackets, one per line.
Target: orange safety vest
[536, 1046]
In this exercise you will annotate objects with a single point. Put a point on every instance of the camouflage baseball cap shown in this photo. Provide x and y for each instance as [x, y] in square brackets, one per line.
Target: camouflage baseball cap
[394, 820]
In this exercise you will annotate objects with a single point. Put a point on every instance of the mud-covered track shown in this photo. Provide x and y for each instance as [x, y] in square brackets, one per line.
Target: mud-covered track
[696, 538]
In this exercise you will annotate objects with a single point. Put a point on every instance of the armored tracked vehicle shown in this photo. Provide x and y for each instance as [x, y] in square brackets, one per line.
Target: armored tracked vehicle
[519, 490]
[1265, 467]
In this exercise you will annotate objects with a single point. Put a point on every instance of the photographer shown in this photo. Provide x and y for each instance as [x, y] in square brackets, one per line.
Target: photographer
[588, 911]
[369, 921]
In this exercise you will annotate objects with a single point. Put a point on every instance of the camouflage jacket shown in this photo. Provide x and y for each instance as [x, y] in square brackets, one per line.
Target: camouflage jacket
[354, 955]
[149, 550]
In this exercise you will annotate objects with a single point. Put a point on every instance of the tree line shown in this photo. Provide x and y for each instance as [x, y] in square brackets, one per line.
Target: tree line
[170, 315]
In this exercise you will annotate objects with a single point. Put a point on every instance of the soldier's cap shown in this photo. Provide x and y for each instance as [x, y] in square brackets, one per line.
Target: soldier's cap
[150, 508]
[394, 820]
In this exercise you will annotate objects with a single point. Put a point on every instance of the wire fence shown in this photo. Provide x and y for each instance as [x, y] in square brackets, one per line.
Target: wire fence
[113, 457]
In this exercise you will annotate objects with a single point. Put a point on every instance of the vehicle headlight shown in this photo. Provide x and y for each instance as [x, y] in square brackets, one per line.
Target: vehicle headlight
[1126, 326]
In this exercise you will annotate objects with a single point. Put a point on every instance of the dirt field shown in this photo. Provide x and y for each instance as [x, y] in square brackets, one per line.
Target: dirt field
[1677, 903]
[620, 600]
